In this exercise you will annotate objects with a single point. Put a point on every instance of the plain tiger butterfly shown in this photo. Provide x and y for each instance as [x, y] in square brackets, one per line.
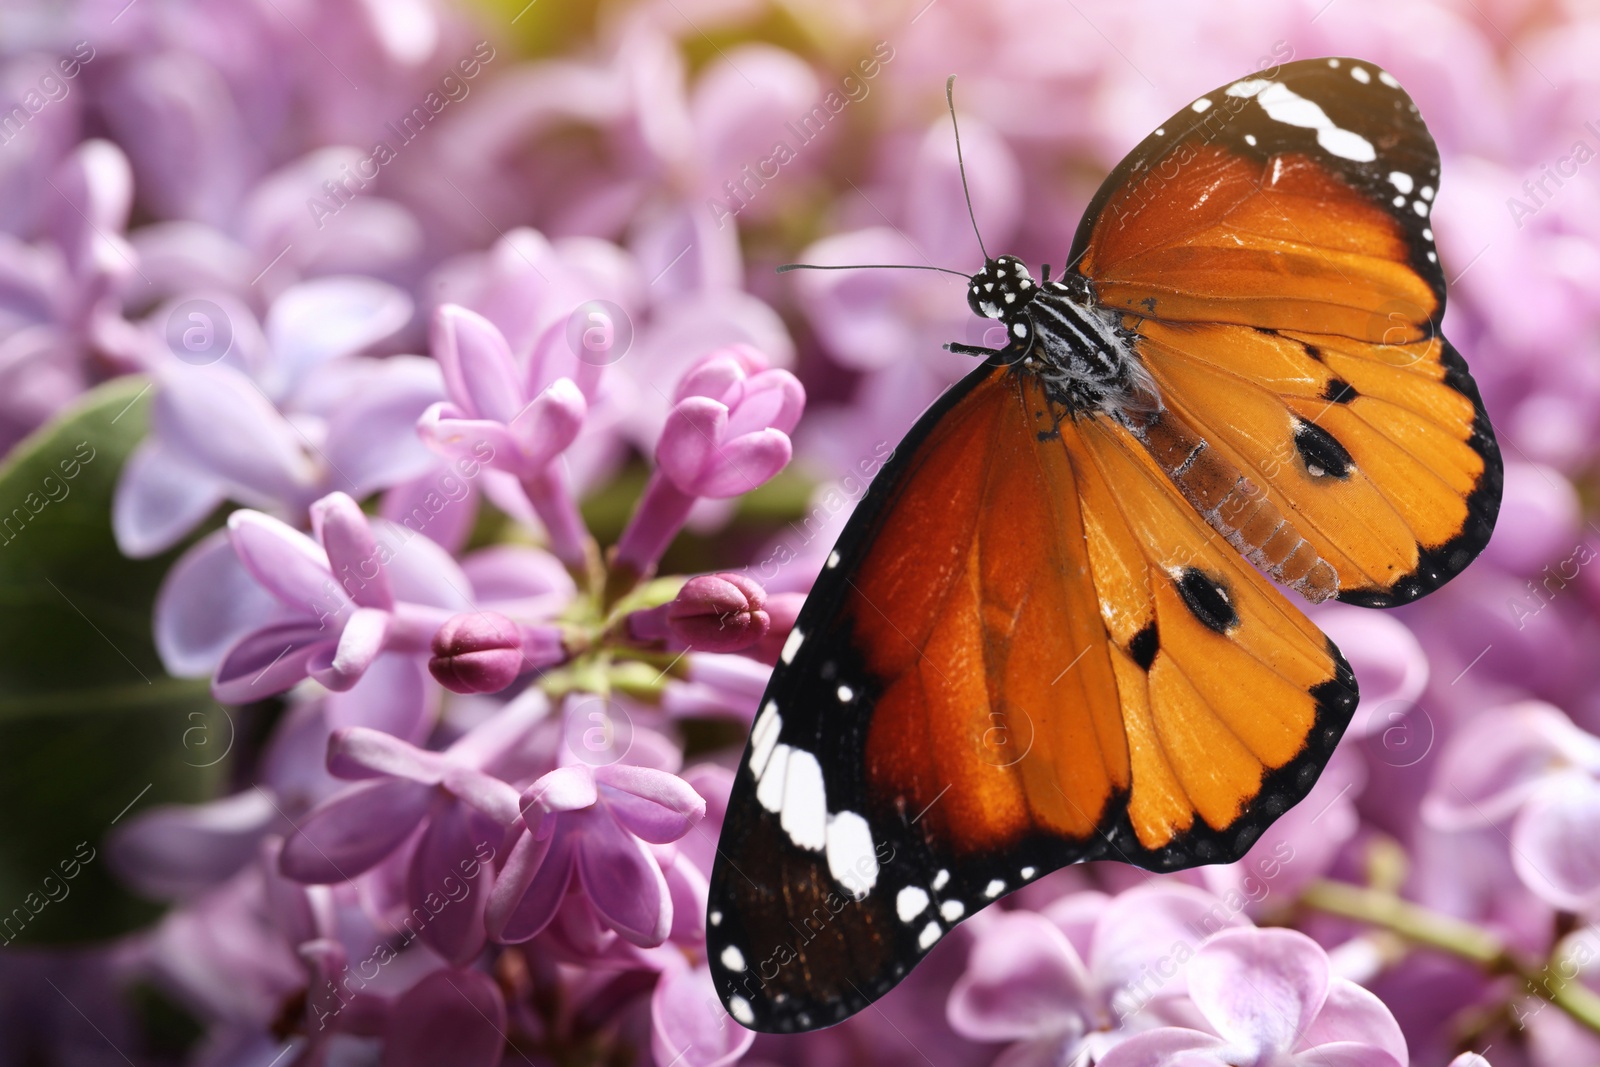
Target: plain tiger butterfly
[1047, 633]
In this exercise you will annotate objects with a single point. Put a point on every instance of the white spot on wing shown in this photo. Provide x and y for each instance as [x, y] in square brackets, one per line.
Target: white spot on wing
[741, 1010]
[833, 560]
[732, 958]
[1426, 192]
[716, 918]
[846, 694]
[994, 888]
[851, 858]
[1401, 180]
[1388, 79]
[1399, 201]
[1248, 87]
[1284, 105]
[1333, 63]
[1419, 207]
[1019, 329]
[1360, 74]
[910, 902]
[929, 935]
[805, 802]
[1028, 872]
[769, 791]
[791, 645]
[941, 879]
[1250, 139]
[1201, 104]
[952, 910]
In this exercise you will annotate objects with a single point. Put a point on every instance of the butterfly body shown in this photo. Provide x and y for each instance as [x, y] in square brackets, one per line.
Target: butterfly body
[1047, 633]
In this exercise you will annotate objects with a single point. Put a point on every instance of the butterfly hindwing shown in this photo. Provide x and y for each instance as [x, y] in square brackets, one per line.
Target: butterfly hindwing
[1272, 246]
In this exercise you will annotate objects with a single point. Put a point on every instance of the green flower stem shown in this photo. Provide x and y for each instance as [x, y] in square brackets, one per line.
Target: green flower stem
[1464, 940]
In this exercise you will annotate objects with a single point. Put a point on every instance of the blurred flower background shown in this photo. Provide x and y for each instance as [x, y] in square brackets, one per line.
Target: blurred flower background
[374, 375]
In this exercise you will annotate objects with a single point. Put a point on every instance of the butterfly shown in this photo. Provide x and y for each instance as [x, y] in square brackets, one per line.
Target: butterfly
[1047, 634]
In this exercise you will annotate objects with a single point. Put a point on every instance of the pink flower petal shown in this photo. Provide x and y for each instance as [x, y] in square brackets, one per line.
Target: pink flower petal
[563, 789]
[746, 463]
[530, 888]
[207, 602]
[1023, 980]
[448, 881]
[354, 831]
[478, 369]
[372, 436]
[1556, 841]
[688, 1023]
[690, 440]
[287, 563]
[1169, 1046]
[346, 537]
[160, 497]
[451, 1016]
[654, 805]
[623, 881]
[328, 318]
[549, 424]
[359, 644]
[268, 661]
[217, 419]
[1259, 989]
[1353, 1014]
[358, 752]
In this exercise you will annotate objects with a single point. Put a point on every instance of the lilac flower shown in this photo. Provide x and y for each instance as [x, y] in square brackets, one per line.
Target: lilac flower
[1530, 767]
[279, 419]
[1084, 972]
[1268, 996]
[338, 605]
[689, 1024]
[727, 434]
[593, 824]
[455, 796]
[483, 651]
[61, 324]
[493, 418]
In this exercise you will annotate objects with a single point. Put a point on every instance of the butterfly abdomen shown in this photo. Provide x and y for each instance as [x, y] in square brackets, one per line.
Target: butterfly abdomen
[1235, 506]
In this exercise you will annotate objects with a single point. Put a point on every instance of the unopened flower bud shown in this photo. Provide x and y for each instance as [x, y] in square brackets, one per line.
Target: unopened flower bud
[719, 613]
[483, 651]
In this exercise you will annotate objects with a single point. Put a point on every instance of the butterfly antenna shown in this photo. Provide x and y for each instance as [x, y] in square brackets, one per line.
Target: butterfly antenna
[950, 98]
[787, 267]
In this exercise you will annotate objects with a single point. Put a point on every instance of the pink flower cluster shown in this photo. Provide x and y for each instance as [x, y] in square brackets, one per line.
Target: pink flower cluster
[462, 339]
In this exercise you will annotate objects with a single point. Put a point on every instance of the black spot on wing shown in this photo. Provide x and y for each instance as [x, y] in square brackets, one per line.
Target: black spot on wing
[1338, 391]
[1208, 600]
[1321, 452]
[1144, 646]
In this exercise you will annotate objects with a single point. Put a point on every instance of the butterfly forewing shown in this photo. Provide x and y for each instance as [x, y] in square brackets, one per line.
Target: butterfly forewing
[1272, 244]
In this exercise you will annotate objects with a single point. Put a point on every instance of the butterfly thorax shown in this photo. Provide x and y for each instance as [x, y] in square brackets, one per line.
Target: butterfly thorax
[1059, 331]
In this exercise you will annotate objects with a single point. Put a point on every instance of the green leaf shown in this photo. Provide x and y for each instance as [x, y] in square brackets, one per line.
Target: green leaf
[91, 728]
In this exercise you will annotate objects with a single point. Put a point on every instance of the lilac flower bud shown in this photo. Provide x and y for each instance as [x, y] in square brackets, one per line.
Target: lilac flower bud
[483, 651]
[714, 613]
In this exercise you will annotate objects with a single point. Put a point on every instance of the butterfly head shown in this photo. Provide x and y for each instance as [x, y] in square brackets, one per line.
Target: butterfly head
[1001, 289]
